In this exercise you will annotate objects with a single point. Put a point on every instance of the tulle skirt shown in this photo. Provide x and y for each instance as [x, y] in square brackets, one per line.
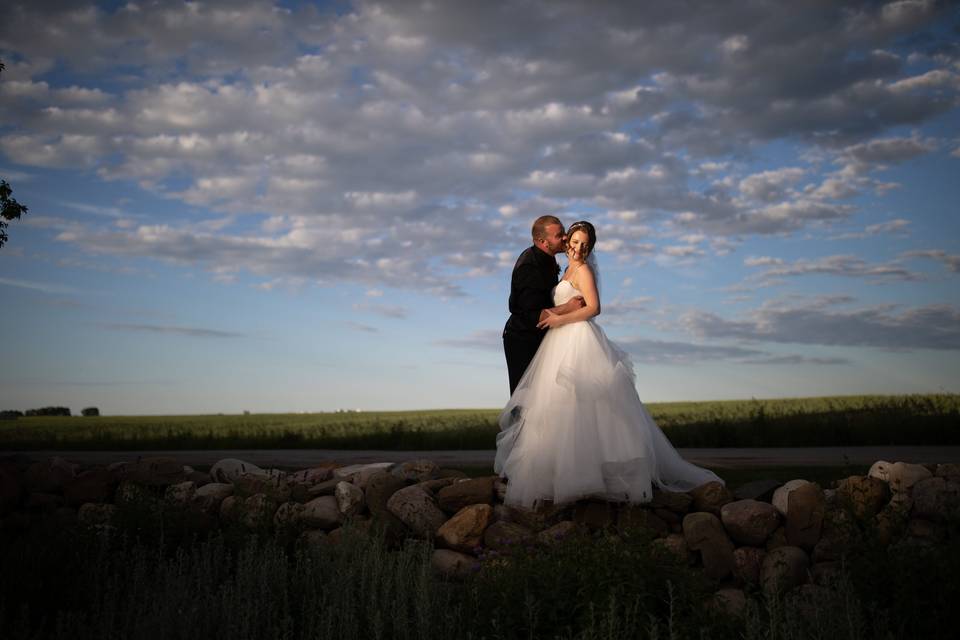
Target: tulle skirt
[575, 428]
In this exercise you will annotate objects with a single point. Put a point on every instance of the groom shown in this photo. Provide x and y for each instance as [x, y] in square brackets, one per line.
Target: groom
[531, 287]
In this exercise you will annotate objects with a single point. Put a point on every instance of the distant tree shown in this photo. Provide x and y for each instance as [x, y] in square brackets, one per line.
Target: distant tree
[90, 411]
[12, 210]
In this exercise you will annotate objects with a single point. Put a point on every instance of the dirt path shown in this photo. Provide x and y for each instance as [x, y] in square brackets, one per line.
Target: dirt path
[716, 458]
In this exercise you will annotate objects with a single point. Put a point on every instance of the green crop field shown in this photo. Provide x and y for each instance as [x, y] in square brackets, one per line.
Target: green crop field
[828, 421]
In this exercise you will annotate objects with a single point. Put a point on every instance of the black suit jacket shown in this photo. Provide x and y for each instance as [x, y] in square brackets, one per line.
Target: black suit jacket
[534, 277]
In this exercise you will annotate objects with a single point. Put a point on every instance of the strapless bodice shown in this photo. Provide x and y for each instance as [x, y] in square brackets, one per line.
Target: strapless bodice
[563, 293]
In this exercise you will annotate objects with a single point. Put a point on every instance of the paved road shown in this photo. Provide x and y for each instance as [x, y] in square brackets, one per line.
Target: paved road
[716, 458]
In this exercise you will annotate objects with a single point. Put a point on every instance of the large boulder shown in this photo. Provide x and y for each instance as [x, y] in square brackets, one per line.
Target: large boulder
[749, 521]
[360, 474]
[321, 513]
[863, 495]
[380, 487]
[782, 494]
[160, 471]
[251, 483]
[464, 531]
[416, 470]
[230, 469]
[460, 494]
[50, 475]
[903, 476]
[505, 536]
[704, 533]
[805, 508]
[92, 485]
[349, 498]
[710, 497]
[936, 499]
[783, 569]
[417, 509]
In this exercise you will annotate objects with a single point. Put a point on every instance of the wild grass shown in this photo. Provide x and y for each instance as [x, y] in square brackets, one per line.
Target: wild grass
[76, 584]
[828, 421]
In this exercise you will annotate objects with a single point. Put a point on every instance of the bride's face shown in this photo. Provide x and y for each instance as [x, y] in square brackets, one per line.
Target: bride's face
[577, 245]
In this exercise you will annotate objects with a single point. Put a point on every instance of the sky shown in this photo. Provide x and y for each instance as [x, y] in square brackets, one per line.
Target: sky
[281, 206]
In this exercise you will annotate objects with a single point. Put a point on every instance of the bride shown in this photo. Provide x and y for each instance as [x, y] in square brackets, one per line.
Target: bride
[575, 426]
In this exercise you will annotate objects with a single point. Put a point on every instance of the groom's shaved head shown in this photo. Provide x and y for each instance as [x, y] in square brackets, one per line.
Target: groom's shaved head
[540, 226]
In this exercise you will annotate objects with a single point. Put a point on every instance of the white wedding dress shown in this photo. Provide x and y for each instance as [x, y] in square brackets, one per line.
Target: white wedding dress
[575, 426]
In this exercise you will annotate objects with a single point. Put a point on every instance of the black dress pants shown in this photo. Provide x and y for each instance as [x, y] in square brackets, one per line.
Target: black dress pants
[519, 352]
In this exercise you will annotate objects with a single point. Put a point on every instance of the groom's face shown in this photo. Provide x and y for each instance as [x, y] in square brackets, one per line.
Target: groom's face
[552, 241]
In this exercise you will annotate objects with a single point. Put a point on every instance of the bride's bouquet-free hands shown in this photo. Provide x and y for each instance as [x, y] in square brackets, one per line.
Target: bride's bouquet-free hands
[577, 302]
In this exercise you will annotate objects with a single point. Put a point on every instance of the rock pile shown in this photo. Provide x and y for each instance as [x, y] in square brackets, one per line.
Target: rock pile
[778, 537]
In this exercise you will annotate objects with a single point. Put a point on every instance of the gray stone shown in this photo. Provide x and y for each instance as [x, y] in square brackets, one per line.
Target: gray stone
[781, 495]
[50, 475]
[903, 476]
[349, 498]
[229, 469]
[360, 474]
[417, 509]
[159, 471]
[783, 569]
[749, 521]
[504, 536]
[251, 483]
[704, 533]
[321, 513]
[936, 499]
[217, 490]
[416, 470]
[806, 506]
[92, 485]
[710, 497]
[462, 493]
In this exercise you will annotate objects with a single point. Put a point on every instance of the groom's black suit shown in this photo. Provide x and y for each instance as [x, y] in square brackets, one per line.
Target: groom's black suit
[534, 277]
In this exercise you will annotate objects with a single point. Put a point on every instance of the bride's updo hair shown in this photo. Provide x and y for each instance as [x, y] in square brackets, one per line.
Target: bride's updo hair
[588, 229]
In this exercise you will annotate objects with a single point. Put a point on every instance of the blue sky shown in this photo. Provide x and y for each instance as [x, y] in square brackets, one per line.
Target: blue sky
[305, 207]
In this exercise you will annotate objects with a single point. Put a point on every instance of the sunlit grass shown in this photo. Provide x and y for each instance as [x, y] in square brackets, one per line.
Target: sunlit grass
[932, 419]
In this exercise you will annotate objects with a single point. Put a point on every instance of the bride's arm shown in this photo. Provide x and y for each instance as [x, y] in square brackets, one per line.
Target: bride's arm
[591, 307]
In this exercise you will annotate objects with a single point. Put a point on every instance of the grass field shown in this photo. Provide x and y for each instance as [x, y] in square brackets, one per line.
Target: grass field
[932, 419]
